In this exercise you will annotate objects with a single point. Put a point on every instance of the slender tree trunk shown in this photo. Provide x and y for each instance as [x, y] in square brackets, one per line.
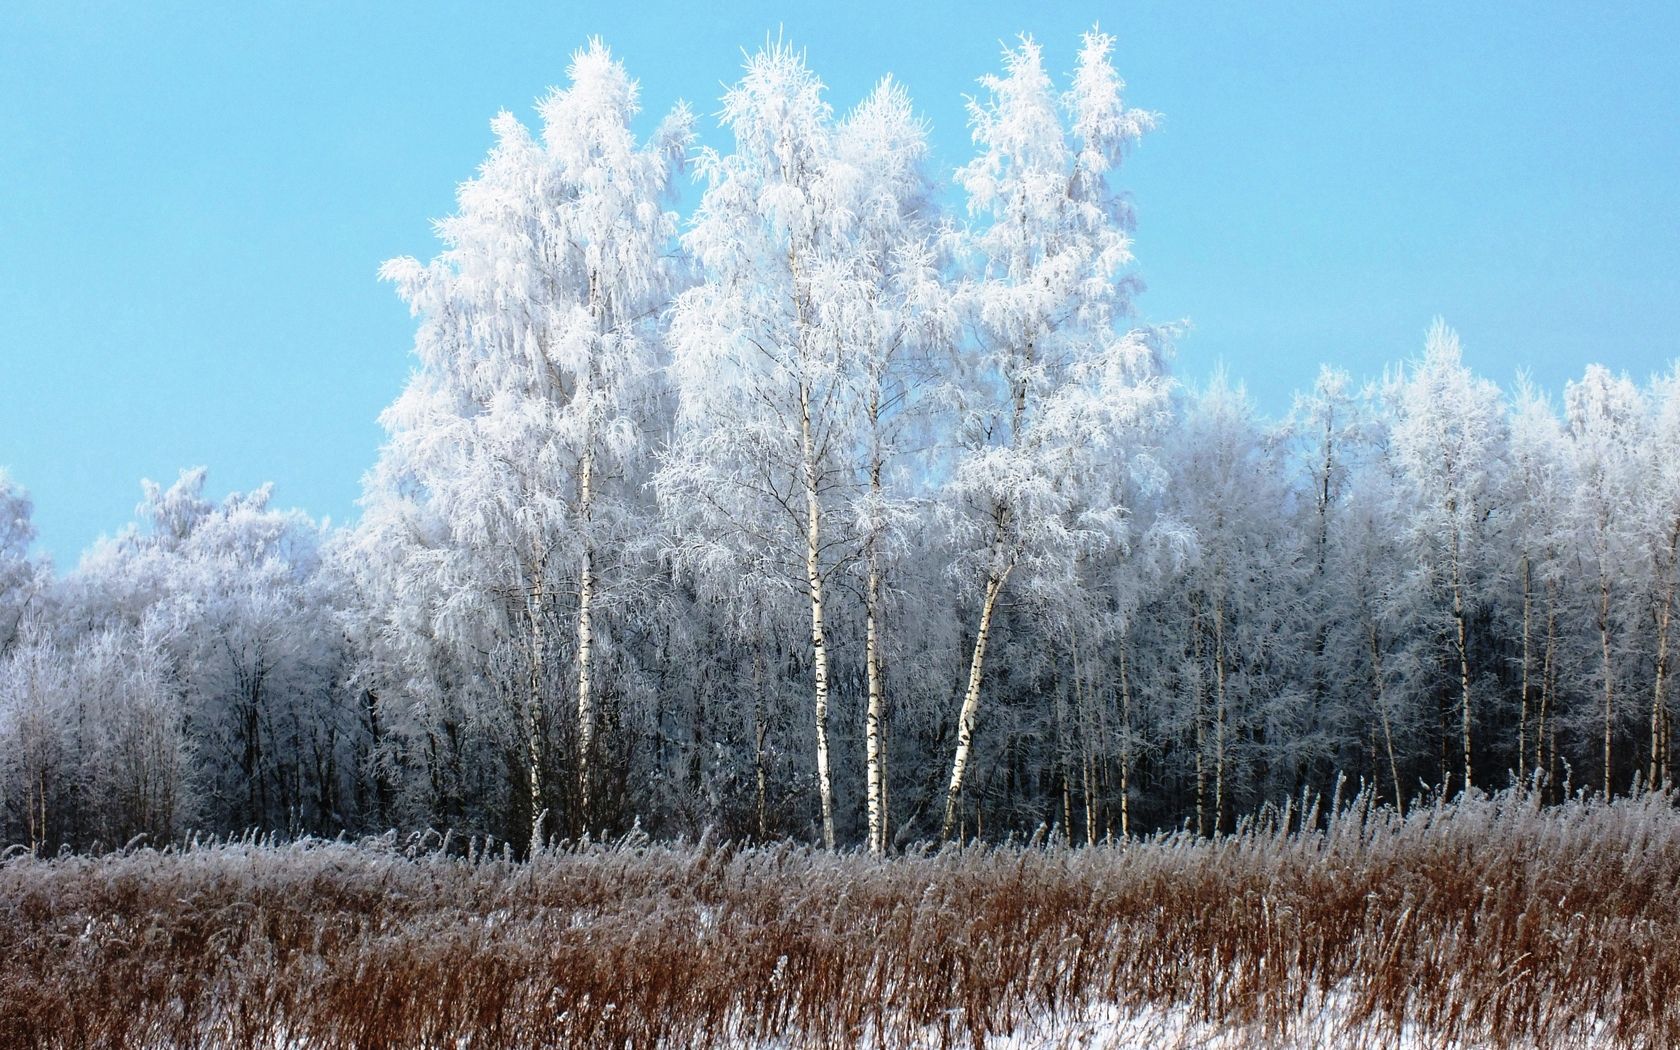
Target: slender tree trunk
[1543, 755]
[875, 758]
[1125, 746]
[1084, 724]
[1463, 655]
[586, 571]
[997, 576]
[1201, 717]
[1658, 707]
[1382, 711]
[1604, 592]
[760, 774]
[1063, 748]
[1522, 716]
[1663, 613]
[585, 643]
[1219, 716]
[971, 700]
[814, 580]
[534, 712]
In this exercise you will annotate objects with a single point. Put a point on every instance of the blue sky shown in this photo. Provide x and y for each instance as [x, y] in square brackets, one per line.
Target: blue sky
[194, 198]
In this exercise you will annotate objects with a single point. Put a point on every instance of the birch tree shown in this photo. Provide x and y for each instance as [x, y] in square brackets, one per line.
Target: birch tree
[1605, 415]
[889, 315]
[764, 358]
[23, 579]
[1446, 437]
[1048, 378]
[1540, 492]
[1659, 533]
[530, 417]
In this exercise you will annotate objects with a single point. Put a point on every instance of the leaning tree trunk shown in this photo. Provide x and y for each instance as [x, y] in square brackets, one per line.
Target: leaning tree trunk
[1378, 698]
[971, 698]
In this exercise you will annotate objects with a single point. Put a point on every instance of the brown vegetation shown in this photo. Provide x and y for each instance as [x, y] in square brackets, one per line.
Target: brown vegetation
[1484, 922]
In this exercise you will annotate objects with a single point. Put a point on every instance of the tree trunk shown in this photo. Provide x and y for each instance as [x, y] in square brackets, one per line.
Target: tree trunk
[1604, 592]
[586, 571]
[1663, 614]
[760, 713]
[534, 712]
[1658, 707]
[1463, 655]
[1201, 716]
[1522, 717]
[585, 642]
[1125, 746]
[814, 580]
[1382, 710]
[1548, 677]
[1219, 716]
[971, 701]
[875, 758]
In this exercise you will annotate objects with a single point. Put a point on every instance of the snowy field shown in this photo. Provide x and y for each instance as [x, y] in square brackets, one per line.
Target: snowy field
[1487, 923]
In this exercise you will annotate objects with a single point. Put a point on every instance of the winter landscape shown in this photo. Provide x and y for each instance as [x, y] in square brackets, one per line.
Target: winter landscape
[801, 598]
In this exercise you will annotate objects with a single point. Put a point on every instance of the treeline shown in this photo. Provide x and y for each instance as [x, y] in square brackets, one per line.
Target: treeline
[838, 511]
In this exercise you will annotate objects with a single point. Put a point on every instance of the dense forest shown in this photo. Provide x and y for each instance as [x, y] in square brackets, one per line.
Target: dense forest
[854, 506]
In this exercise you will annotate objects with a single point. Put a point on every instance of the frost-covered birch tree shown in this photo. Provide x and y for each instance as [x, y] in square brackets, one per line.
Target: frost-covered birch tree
[771, 349]
[527, 425]
[22, 577]
[1659, 536]
[1606, 420]
[1048, 378]
[889, 315]
[1447, 438]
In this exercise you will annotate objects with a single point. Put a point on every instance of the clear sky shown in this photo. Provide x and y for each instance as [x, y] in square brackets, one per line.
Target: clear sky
[194, 198]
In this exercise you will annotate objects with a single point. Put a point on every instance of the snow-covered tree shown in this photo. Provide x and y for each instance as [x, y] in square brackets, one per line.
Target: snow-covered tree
[232, 595]
[1049, 381]
[1447, 439]
[790, 359]
[1540, 491]
[23, 578]
[526, 427]
[1659, 536]
[1606, 416]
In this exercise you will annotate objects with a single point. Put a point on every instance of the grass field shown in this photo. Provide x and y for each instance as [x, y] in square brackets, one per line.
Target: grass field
[1484, 922]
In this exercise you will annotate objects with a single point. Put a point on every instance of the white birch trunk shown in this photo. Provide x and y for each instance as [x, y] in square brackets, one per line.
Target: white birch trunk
[875, 758]
[1382, 709]
[814, 580]
[1522, 716]
[586, 579]
[585, 642]
[971, 702]
[1125, 747]
[534, 713]
[1463, 653]
[1604, 592]
[1219, 715]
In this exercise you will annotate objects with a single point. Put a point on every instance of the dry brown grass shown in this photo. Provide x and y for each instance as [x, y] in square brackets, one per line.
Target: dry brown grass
[1489, 922]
